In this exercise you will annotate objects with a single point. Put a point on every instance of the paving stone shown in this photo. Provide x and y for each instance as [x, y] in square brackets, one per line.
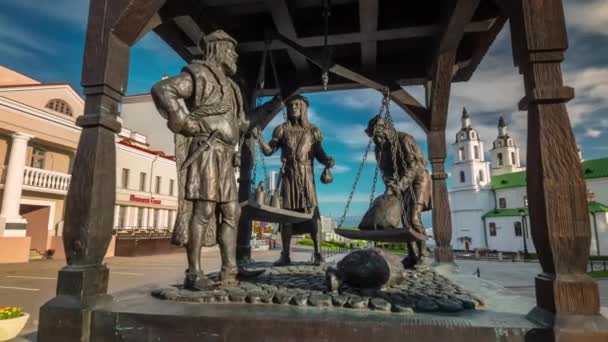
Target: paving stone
[254, 297]
[237, 296]
[356, 302]
[339, 300]
[320, 300]
[379, 304]
[283, 297]
[300, 299]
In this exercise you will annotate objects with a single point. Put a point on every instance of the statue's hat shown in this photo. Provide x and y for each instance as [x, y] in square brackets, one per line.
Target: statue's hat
[299, 97]
[216, 36]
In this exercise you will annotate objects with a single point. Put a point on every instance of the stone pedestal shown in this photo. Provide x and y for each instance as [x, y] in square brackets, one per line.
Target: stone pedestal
[67, 317]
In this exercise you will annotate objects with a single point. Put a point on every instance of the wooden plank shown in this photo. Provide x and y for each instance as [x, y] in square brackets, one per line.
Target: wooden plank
[284, 23]
[174, 37]
[368, 22]
[358, 37]
[187, 25]
[135, 18]
[406, 101]
[458, 17]
[482, 45]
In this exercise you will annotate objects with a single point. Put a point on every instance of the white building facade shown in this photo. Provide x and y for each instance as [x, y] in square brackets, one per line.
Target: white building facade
[146, 180]
[494, 215]
[471, 194]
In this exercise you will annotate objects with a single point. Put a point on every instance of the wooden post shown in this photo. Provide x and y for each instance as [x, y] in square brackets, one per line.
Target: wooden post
[438, 96]
[87, 232]
[555, 184]
[442, 222]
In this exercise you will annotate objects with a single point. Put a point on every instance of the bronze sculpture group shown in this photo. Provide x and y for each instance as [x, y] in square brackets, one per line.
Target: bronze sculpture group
[207, 134]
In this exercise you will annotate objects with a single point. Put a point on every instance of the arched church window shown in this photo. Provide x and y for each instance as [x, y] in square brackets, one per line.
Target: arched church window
[481, 179]
[461, 153]
[510, 142]
[476, 151]
[59, 106]
[462, 179]
[499, 156]
[513, 158]
[473, 135]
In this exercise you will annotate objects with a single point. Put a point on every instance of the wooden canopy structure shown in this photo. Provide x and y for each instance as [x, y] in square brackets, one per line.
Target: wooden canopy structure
[376, 43]
[371, 38]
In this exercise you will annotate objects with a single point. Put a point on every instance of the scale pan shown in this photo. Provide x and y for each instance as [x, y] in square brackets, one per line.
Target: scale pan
[261, 212]
[392, 235]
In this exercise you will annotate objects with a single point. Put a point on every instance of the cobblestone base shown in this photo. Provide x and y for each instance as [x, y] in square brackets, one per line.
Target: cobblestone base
[304, 285]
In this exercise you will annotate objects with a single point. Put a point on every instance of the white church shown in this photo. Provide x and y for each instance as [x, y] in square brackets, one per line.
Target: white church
[488, 198]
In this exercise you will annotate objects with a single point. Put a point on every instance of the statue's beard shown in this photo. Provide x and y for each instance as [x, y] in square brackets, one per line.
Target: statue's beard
[230, 68]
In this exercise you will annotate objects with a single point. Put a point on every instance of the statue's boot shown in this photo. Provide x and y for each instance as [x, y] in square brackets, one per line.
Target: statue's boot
[197, 281]
[318, 259]
[284, 260]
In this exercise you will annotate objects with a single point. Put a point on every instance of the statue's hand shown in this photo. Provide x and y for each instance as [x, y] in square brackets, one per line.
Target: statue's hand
[392, 186]
[256, 132]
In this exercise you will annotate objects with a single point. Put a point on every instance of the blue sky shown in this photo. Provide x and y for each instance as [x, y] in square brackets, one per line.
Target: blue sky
[45, 40]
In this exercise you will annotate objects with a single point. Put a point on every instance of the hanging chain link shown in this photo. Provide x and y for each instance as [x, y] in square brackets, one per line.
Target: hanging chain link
[352, 191]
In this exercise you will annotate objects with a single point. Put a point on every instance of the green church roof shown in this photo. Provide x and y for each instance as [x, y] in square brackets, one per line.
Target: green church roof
[506, 212]
[595, 168]
[594, 207]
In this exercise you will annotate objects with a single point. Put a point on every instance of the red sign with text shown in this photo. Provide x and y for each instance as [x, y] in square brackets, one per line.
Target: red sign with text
[138, 199]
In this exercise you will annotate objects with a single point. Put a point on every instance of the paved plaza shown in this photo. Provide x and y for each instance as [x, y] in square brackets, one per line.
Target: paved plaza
[31, 285]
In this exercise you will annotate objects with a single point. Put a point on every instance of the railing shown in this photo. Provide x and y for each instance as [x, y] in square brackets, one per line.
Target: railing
[143, 232]
[329, 252]
[597, 265]
[45, 180]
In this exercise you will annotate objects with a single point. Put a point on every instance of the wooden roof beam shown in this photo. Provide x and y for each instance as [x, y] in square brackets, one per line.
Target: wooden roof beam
[401, 97]
[358, 37]
[284, 23]
[368, 21]
[455, 18]
[174, 37]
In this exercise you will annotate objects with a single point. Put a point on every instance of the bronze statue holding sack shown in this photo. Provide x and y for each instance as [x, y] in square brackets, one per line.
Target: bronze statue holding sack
[408, 185]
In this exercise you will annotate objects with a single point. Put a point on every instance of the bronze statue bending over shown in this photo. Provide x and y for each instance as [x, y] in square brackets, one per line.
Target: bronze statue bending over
[300, 143]
[411, 182]
[206, 136]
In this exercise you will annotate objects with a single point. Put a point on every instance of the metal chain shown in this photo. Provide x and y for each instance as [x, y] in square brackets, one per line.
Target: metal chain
[352, 191]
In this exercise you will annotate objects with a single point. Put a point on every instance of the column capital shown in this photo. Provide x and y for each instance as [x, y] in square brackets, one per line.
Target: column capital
[21, 136]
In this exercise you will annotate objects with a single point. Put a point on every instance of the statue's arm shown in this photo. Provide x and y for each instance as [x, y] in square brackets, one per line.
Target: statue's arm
[405, 180]
[263, 114]
[269, 149]
[320, 153]
[166, 95]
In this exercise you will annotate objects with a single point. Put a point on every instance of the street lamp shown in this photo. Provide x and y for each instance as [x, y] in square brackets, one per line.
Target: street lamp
[522, 213]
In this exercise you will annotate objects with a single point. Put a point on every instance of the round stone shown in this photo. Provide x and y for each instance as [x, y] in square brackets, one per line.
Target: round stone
[379, 304]
[320, 300]
[206, 297]
[402, 309]
[299, 299]
[450, 305]
[221, 297]
[339, 300]
[356, 302]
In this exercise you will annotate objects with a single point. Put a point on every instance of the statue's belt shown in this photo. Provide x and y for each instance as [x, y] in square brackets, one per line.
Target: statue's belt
[203, 145]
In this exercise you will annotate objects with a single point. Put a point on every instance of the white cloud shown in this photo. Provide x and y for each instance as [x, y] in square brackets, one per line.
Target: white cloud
[587, 15]
[593, 133]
